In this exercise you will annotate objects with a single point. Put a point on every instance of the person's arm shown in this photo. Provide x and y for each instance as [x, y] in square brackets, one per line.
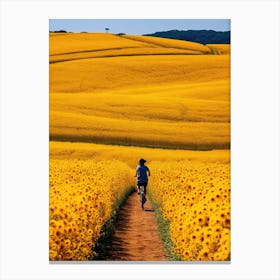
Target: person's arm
[149, 173]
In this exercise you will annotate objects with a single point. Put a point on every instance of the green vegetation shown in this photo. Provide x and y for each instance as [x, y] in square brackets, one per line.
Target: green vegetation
[163, 228]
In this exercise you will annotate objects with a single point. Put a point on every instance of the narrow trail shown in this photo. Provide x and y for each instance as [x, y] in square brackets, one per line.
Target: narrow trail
[136, 237]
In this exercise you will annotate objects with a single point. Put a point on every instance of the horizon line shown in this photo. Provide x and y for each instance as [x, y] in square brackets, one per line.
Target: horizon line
[65, 30]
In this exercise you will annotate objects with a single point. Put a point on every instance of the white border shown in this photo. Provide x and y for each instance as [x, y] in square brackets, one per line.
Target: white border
[24, 137]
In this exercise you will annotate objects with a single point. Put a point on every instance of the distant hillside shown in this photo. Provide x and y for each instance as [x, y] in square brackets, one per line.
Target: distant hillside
[199, 36]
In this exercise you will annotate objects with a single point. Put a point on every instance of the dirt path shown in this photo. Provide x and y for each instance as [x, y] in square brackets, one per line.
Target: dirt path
[136, 237]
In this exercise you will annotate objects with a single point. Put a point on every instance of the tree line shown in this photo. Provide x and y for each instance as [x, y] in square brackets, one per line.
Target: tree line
[199, 36]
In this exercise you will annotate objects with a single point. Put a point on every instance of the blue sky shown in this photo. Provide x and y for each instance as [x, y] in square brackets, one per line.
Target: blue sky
[137, 26]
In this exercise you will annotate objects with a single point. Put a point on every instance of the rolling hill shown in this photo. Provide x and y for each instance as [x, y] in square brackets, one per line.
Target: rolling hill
[139, 91]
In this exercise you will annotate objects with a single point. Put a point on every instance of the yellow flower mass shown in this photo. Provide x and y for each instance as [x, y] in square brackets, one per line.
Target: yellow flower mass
[116, 99]
[197, 207]
[81, 200]
[191, 188]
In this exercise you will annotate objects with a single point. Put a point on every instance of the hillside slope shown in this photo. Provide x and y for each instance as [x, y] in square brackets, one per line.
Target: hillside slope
[131, 90]
[68, 46]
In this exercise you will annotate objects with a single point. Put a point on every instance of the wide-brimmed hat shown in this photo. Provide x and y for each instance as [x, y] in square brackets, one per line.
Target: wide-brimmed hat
[142, 160]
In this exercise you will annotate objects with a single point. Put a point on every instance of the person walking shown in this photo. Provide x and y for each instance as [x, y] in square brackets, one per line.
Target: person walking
[142, 173]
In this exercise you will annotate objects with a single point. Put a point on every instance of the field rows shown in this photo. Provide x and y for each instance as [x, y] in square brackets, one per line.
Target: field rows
[120, 52]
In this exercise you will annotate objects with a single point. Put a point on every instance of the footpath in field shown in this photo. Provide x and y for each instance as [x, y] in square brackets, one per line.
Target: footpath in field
[136, 237]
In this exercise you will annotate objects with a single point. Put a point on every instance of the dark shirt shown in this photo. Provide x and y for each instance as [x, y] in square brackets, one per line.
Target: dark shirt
[142, 173]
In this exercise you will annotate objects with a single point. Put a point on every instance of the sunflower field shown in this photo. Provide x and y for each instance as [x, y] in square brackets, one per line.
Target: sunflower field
[117, 98]
[82, 198]
[195, 198]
